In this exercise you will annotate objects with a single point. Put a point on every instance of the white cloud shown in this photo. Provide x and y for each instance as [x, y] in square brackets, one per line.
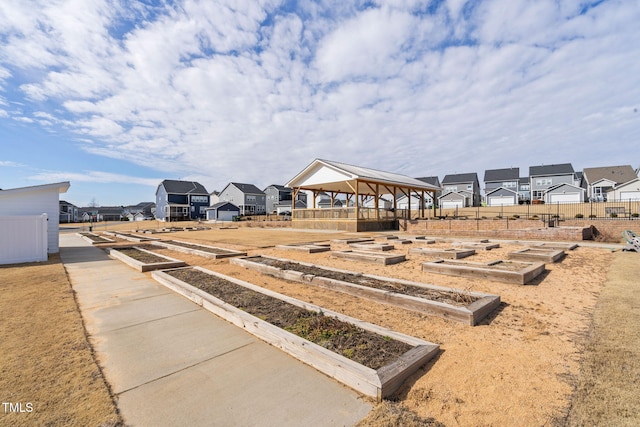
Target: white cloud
[94, 177]
[253, 91]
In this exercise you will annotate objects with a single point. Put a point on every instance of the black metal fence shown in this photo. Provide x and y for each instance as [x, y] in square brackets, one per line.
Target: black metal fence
[614, 210]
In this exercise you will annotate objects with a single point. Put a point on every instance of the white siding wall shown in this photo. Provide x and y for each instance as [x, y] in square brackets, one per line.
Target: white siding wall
[36, 202]
[24, 239]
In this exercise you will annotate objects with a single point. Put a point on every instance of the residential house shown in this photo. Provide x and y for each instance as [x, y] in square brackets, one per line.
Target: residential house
[68, 212]
[181, 200]
[429, 200]
[524, 190]
[629, 190]
[501, 196]
[214, 197]
[247, 197]
[544, 177]
[501, 178]
[599, 181]
[278, 199]
[564, 193]
[222, 211]
[460, 190]
[101, 213]
[141, 212]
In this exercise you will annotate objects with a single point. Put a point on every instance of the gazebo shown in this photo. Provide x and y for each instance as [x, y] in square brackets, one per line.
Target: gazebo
[357, 184]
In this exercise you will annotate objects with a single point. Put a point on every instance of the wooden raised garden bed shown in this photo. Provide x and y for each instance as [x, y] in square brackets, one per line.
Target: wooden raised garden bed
[95, 239]
[333, 343]
[480, 246]
[517, 272]
[557, 245]
[353, 240]
[197, 249]
[537, 254]
[310, 248]
[370, 257]
[142, 259]
[130, 237]
[444, 253]
[372, 246]
[459, 305]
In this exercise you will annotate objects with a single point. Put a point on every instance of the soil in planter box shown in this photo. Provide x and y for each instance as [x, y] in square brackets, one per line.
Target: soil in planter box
[367, 348]
[95, 238]
[141, 256]
[459, 298]
[201, 248]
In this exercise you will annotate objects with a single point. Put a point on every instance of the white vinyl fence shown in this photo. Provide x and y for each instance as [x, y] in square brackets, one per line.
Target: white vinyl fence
[23, 239]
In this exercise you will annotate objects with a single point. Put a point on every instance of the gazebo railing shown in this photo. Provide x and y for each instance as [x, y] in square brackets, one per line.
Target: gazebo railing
[329, 214]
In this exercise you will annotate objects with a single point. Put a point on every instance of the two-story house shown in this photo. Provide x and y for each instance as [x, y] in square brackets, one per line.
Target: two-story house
[247, 197]
[68, 212]
[181, 200]
[501, 186]
[544, 177]
[278, 199]
[599, 181]
[460, 190]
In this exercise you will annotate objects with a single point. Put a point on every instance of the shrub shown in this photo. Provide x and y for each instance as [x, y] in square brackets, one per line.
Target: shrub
[579, 215]
[635, 215]
[592, 216]
[614, 215]
[516, 216]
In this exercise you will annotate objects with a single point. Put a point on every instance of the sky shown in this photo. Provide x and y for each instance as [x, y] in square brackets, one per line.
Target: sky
[115, 96]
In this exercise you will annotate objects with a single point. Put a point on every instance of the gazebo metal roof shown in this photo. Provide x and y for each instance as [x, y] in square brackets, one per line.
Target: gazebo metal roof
[337, 177]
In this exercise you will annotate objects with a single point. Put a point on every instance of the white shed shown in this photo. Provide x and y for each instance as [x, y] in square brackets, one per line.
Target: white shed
[32, 201]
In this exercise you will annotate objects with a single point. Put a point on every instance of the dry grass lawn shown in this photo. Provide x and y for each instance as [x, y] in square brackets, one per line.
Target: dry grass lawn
[46, 362]
[562, 351]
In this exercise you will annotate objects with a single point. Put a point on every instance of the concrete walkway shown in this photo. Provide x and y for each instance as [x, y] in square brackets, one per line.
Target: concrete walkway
[171, 363]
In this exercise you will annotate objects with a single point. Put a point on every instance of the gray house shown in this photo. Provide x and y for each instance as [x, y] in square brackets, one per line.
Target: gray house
[181, 200]
[428, 198]
[466, 184]
[68, 212]
[524, 190]
[501, 178]
[247, 197]
[278, 199]
[564, 193]
[599, 181]
[544, 177]
[501, 197]
[222, 211]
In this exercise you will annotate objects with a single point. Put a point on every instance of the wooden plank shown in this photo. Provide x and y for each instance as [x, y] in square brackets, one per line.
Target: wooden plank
[444, 253]
[470, 314]
[371, 257]
[537, 254]
[489, 271]
[144, 267]
[359, 377]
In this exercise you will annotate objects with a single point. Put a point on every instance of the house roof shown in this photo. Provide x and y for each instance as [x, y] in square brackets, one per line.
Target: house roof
[328, 175]
[559, 169]
[279, 187]
[501, 191]
[460, 178]
[62, 187]
[564, 184]
[617, 174]
[433, 180]
[247, 188]
[523, 180]
[183, 187]
[508, 174]
[221, 204]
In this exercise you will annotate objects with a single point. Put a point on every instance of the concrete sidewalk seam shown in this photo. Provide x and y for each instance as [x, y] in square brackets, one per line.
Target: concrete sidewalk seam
[153, 320]
[184, 369]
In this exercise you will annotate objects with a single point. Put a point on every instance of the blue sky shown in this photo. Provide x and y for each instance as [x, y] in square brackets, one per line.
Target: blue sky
[115, 96]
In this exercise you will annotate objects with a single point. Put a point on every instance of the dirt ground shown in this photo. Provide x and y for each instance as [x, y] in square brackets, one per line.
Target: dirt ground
[551, 354]
[47, 369]
[518, 367]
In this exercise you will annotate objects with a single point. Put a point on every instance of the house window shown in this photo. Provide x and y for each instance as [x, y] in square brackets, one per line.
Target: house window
[251, 199]
[199, 199]
[470, 187]
[509, 184]
[540, 182]
[451, 188]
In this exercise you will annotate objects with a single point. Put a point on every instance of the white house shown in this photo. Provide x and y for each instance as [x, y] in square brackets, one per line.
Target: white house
[628, 191]
[29, 201]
